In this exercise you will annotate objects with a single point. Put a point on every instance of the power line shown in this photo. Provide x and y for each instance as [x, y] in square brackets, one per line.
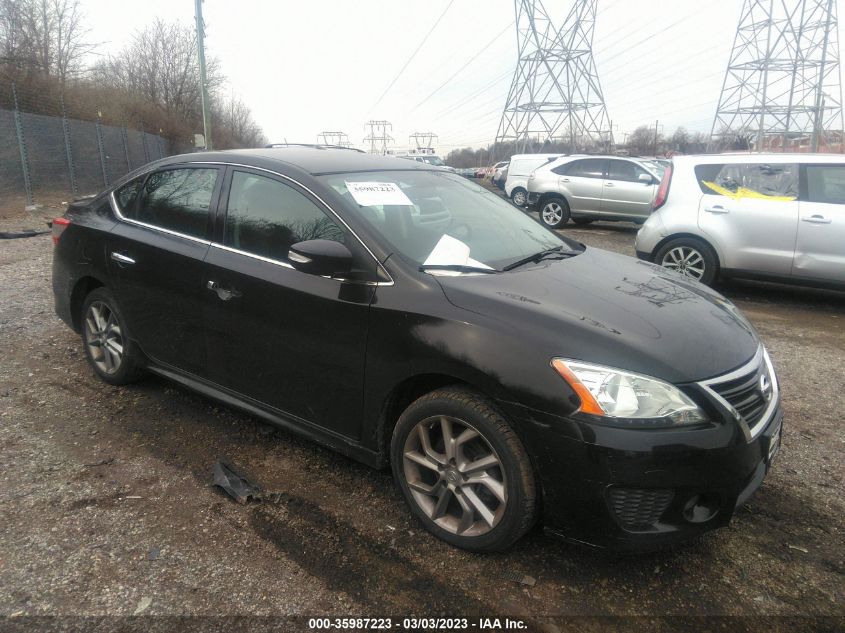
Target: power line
[458, 72]
[414, 54]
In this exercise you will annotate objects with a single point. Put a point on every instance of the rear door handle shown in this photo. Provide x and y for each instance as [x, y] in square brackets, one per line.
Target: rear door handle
[120, 258]
[564, 179]
[717, 209]
[816, 219]
[608, 184]
[224, 294]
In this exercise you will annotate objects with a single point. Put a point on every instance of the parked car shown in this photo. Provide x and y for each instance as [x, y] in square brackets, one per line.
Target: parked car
[405, 316]
[587, 188]
[499, 174]
[491, 171]
[768, 216]
[428, 159]
[466, 172]
[481, 172]
[520, 168]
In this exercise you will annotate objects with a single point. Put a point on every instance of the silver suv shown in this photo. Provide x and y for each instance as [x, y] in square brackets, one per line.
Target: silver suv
[587, 188]
[768, 216]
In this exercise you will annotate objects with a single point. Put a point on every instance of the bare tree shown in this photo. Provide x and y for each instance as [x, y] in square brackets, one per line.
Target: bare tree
[237, 127]
[47, 38]
[160, 65]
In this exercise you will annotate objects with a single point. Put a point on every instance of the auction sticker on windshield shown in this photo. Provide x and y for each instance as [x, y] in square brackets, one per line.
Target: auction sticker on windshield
[369, 194]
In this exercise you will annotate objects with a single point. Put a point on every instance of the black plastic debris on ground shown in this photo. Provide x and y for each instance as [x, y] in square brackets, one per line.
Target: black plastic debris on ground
[235, 483]
[15, 235]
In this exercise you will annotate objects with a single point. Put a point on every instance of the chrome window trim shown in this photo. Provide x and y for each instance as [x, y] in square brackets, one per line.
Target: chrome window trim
[760, 357]
[328, 208]
[120, 216]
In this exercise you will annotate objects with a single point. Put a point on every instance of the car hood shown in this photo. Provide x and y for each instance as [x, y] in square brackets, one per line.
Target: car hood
[613, 310]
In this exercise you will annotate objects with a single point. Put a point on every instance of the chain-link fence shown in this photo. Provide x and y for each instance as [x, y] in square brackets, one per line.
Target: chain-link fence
[47, 156]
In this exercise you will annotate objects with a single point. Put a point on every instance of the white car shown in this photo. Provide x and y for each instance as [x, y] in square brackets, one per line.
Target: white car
[769, 216]
[521, 166]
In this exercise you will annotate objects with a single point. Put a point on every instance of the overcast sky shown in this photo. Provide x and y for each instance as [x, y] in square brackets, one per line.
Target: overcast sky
[306, 67]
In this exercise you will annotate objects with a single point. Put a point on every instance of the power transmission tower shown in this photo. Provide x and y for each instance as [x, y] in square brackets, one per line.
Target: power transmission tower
[378, 138]
[206, 104]
[422, 140]
[555, 93]
[782, 88]
[341, 139]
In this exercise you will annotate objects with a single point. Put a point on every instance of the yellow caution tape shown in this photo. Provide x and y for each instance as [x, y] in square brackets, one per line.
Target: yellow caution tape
[744, 192]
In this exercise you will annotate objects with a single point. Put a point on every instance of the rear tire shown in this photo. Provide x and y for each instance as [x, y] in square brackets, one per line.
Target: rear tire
[108, 344]
[689, 257]
[554, 212]
[582, 221]
[519, 197]
[463, 471]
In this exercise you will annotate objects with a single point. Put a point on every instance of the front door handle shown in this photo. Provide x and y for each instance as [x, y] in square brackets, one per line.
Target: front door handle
[224, 294]
[608, 184]
[816, 219]
[564, 179]
[717, 209]
[120, 258]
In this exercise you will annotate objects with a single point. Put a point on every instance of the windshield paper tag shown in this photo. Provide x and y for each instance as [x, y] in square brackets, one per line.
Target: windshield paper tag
[369, 194]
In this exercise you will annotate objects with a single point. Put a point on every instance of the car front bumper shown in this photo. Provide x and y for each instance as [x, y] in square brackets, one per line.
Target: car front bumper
[644, 491]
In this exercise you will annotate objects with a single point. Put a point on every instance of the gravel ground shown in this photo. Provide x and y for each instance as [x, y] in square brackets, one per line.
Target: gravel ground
[108, 510]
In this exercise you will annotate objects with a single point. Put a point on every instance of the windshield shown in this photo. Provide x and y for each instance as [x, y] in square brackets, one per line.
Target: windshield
[434, 160]
[440, 219]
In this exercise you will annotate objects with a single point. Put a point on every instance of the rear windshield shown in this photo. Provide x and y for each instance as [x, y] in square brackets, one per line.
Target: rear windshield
[749, 180]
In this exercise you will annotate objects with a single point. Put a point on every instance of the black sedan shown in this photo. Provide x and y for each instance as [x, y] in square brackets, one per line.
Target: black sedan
[405, 316]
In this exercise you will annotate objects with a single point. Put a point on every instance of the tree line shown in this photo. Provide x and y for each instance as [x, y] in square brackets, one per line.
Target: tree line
[643, 141]
[48, 54]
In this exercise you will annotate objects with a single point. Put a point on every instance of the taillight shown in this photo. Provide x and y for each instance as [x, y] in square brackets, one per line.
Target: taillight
[59, 225]
[662, 190]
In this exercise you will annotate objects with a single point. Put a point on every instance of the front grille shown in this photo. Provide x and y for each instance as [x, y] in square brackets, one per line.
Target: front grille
[639, 508]
[745, 394]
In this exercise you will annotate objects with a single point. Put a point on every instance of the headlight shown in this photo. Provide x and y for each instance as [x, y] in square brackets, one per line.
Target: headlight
[625, 399]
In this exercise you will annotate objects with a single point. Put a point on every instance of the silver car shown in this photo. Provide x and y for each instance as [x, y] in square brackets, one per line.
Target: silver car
[587, 188]
[768, 216]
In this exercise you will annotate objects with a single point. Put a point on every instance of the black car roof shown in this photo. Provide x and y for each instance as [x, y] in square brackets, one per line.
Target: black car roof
[313, 160]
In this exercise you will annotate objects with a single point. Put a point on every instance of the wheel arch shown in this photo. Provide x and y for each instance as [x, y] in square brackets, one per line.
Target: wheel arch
[81, 289]
[545, 197]
[677, 236]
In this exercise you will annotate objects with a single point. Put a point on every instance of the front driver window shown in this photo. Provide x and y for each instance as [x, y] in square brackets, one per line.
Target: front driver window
[266, 217]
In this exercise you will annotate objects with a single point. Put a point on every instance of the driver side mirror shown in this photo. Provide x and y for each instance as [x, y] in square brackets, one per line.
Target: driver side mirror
[647, 179]
[320, 257]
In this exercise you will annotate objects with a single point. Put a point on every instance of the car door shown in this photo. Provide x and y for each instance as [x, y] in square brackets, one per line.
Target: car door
[749, 211]
[581, 181]
[623, 193]
[290, 340]
[156, 255]
[820, 246]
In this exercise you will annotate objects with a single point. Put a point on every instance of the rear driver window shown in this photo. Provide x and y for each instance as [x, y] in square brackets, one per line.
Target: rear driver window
[749, 180]
[178, 200]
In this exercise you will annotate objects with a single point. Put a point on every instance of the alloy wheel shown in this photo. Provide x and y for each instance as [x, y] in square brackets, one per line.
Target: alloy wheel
[103, 337]
[552, 213]
[455, 476]
[519, 198]
[686, 261]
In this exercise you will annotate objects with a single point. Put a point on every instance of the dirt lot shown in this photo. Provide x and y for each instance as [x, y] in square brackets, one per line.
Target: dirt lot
[108, 510]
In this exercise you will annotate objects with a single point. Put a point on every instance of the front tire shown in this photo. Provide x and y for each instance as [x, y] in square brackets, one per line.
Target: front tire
[689, 257]
[463, 471]
[110, 351]
[519, 197]
[554, 212]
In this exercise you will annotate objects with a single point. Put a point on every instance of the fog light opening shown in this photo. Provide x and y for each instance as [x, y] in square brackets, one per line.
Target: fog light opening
[701, 508]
